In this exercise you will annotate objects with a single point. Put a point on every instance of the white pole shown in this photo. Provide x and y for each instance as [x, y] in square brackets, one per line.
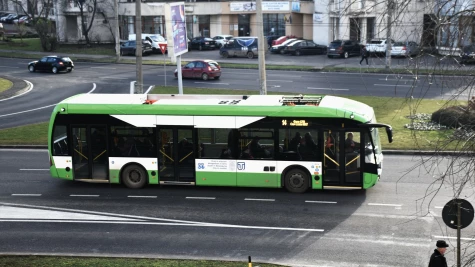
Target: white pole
[132, 87]
[164, 67]
[180, 83]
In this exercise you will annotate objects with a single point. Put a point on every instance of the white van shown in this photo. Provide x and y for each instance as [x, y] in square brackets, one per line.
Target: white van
[155, 39]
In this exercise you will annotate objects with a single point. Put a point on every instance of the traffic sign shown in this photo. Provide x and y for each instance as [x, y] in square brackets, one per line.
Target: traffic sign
[450, 213]
[163, 48]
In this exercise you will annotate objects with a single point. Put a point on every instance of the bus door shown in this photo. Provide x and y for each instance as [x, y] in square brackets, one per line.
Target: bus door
[342, 159]
[176, 155]
[90, 152]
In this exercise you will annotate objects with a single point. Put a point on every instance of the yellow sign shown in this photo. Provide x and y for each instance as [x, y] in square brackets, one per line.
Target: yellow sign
[299, 123]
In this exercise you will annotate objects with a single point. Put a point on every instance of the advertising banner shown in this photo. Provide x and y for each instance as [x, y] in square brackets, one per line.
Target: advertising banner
[176, 28]
[266, 6]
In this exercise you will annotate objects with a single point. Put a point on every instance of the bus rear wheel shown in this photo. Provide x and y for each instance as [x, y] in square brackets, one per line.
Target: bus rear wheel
[296, 181]
[134, 176]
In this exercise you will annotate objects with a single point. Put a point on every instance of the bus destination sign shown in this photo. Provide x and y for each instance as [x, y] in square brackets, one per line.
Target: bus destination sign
[295, 123]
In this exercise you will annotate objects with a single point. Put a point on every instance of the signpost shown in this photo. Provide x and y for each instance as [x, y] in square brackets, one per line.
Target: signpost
[163, 48]
[458, 214]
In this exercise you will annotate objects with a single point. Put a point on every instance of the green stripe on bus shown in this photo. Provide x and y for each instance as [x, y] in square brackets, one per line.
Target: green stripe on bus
[216, 178]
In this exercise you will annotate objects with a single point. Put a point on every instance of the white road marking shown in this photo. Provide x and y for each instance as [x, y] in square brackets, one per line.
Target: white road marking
[108, 68]
[213, 83]
[142, 196]
[393, 85]
[382, 204]
[401, 80]
[439, 207]
[18, 213]
[31, 88]
[259, 199]
[281, 81]
[453, 237]
[84, 195]
[173, 224]
[321, 202]
[25, 111]
[200, 197]
[330, 89]
[283, 75]
[26, 195]
[34, 169]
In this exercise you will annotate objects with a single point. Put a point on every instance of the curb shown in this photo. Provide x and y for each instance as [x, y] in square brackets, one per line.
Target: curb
[19, 87]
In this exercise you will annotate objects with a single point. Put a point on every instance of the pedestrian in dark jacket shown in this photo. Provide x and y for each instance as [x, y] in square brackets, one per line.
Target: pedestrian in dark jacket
[438, 259]
[364, 54]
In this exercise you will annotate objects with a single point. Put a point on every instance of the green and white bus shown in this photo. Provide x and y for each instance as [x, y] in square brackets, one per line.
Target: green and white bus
[296, 142]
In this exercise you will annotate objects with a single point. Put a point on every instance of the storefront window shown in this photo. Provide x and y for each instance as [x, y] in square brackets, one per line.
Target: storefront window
[274, 24]
[204, 25]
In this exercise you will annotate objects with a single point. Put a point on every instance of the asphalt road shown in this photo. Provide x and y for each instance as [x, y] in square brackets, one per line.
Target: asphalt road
[388, 225]
[49, 89]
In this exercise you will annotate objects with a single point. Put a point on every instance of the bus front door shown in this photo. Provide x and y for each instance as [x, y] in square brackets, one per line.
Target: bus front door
[176, 156]
[342, 160]
[90, 152]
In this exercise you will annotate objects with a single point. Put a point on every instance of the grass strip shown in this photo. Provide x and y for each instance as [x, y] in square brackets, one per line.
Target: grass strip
[48, 261]
[390, 110]
[5, 85]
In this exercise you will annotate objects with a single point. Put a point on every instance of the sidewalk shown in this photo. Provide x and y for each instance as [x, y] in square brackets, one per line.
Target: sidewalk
[317, 62]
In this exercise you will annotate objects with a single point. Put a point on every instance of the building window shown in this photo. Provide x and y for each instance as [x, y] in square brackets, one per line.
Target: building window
[370, 28]
[274, 24]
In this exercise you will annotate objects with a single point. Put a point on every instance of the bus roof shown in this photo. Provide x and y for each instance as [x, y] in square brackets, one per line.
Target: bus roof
[262, 105]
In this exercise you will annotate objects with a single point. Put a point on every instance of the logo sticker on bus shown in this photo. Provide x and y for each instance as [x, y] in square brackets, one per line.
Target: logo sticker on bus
[201, 166]
[241, 166]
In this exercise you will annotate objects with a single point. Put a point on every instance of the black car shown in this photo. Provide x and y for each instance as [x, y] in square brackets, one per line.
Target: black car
[129, 47]
[304, 47]
[344, 48]
[202, 43]
[54, 64]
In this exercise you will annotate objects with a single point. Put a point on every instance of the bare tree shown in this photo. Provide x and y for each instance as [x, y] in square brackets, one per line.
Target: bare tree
[38, 12]
[87, 21]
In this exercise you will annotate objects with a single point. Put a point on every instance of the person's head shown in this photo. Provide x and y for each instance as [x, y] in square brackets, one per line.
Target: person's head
[441, 246]
[297, 135]
[350, 135]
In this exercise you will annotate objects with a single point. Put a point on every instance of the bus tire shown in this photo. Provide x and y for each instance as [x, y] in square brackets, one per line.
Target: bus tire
[250, 55]
[134, 176]
[296, 181]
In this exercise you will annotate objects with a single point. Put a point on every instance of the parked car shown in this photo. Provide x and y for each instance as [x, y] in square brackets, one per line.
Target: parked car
[277, 49]
[22, 20]
[8, 16]
[54, 64]
[240, 47]
[129, 48]
[377, 46]
[405, 49]
[202, 43]
[468, 54]
[304, 47]
[11, 18]
[344, 48]
[202, 69]
[222, 39]
[282, 39]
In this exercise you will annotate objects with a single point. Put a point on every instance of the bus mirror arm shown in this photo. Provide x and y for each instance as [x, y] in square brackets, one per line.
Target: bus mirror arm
[389, 129]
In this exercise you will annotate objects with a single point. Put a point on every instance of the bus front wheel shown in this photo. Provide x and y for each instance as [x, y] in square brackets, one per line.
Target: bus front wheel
[134, 176]
[296, 181]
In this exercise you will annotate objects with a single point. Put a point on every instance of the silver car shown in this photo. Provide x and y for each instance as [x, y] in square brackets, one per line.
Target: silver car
[405, 49]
